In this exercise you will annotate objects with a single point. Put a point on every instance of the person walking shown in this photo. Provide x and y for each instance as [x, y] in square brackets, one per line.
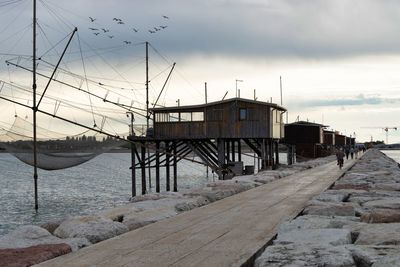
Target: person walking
[352, 153]
[347, 152]
[340, 157]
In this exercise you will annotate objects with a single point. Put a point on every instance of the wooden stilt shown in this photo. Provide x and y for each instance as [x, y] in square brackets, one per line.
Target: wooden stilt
[158, 166]
[175, 168]
[233, 151]
[167, 158]
[239, 149]
[133, 163]
[276, 153]
[143, 167]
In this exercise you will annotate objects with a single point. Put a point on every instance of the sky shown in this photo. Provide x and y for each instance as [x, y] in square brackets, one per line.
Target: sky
[338, 59]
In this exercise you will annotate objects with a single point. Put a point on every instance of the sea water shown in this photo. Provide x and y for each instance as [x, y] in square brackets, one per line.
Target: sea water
[101, 183]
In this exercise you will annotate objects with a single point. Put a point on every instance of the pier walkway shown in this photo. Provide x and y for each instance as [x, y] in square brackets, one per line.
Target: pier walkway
[228, 232]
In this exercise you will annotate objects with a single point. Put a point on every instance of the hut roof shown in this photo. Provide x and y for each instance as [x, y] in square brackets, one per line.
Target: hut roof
[189, 107]
[306, 123]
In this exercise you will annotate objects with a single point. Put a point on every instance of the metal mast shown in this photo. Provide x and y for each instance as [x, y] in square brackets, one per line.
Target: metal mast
[34, 108]
[147, 85]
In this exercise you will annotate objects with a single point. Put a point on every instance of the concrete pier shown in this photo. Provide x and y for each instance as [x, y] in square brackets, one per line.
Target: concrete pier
[229, 232]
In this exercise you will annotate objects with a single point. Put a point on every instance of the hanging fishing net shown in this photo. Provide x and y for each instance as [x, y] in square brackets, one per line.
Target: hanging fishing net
[55, 151]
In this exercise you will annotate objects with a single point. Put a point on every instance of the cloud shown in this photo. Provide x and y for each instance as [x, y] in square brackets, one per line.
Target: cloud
[358, 100]
[258, 29]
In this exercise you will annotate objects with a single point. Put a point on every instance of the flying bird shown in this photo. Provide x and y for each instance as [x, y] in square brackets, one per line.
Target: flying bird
[92, 19]
[110, 36]
[157, 29]
[96, 33]
[93, 29]
[105, 30]
[150, 31]
[121, 22]
[135, 30]
[165, 17]
[117, 19]
[163, 27]
[127, 42]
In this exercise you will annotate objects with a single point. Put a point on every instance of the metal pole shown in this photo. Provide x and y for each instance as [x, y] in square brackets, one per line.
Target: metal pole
[34, 108]
[147, 106]
[280, 83]
[205, 91]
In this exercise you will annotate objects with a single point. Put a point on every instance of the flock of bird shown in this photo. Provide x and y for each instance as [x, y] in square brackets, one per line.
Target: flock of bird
[98, 31]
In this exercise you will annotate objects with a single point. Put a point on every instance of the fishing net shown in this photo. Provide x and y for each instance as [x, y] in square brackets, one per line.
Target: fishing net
[55, 151]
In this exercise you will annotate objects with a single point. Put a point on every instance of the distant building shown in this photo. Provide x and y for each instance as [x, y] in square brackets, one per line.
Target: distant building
[340, 140]
[308, 138]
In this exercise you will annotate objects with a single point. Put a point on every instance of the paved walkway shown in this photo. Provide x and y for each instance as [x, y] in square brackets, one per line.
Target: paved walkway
[228, 232]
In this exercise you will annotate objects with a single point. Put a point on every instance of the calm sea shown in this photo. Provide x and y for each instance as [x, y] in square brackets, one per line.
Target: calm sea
[101, 183]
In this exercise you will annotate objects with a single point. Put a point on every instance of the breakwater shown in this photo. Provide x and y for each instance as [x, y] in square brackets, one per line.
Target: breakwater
[354, 223]
[81, 231]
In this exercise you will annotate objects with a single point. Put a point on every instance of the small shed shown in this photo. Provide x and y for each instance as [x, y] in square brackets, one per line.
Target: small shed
[329, 138]
[308, 138]
[340, 140]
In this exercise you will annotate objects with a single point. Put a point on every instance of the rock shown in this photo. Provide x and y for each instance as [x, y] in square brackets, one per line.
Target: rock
[381, 216]
[30, 235]
[135, 223]
[331, 209]
[332, 196]
[363, 186]
[365, 256]
[387, 186]
[93, 228]
[191, 204]
[334, 237]
[317, 222]
[51, 226]
[313, 255]
[388, 262]
[379, 234]
[32, 255]
[361, 198]
[387, 203]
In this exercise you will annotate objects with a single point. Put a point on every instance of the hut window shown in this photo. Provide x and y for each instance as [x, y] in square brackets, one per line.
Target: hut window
[243, 114]
[173, 117]
[186, 116]
[162, 117]
[198, 116]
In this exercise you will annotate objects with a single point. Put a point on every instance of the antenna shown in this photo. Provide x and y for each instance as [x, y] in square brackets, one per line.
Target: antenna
[225, 95]
[205, 91]
[280, 83]
[237, 86]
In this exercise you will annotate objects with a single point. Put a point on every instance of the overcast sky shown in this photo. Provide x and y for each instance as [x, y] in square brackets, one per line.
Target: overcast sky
[338, 59]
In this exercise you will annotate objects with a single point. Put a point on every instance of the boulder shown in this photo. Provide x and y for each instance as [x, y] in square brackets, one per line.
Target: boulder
[331, 209]
[191, 204]
[30, 235]
[312, 255]
[388, 262]
[31, 255]
[387, 203]
[363, 186]
[334, 237]
[332, 196]
[317, 222]
[365, 256]
[93, 228]
[381, 216]
[379, 234]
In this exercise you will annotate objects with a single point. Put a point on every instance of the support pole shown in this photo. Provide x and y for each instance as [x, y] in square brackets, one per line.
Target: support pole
[34, 109]
[158, 166]
[167, 170]
[175, 168]
[276, 153]
[133, 163]
[205, 91]
[143, 167]
[239, 149]
[233, 151]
